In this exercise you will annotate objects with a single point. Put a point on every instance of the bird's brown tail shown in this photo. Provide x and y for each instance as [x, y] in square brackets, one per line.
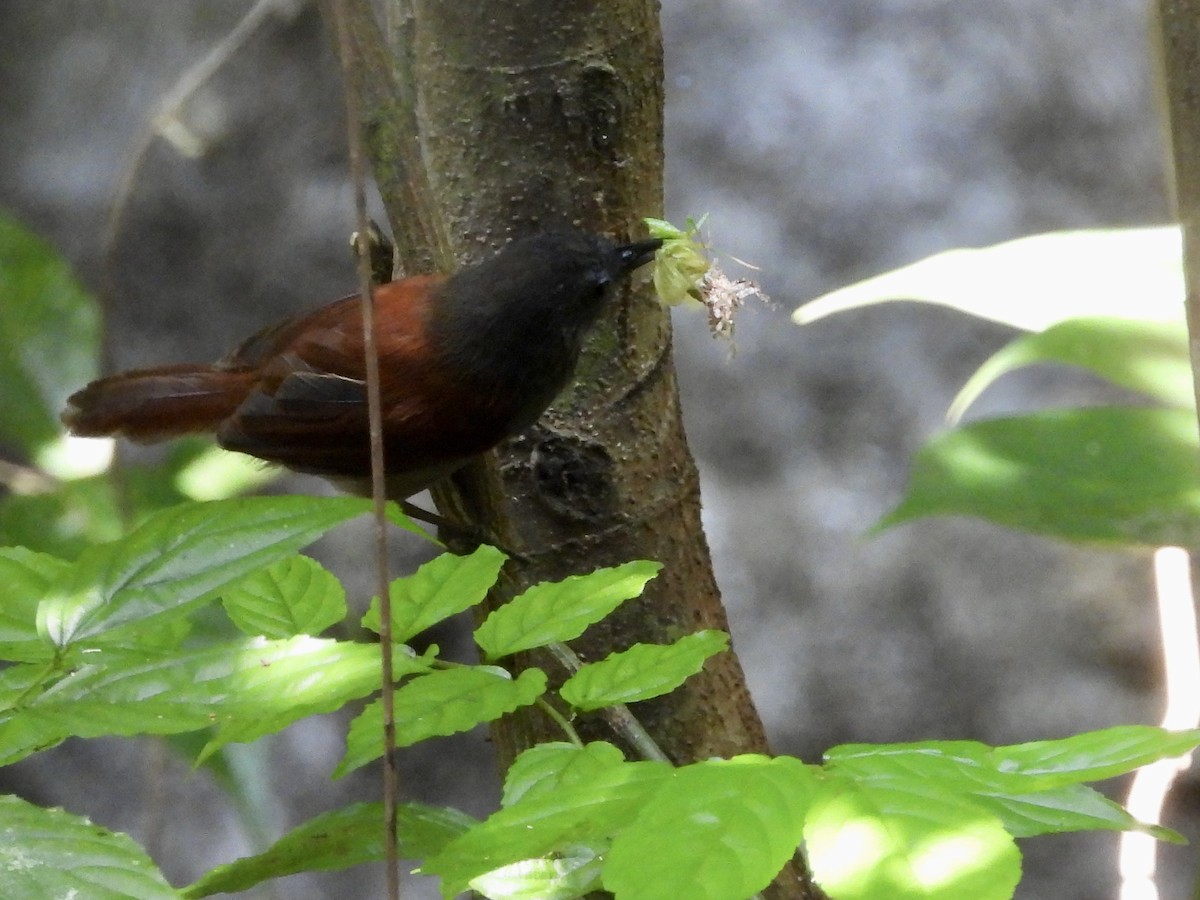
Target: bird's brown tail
[150, 405]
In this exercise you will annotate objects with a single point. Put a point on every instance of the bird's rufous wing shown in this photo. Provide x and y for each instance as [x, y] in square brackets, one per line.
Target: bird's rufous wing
[308, 409]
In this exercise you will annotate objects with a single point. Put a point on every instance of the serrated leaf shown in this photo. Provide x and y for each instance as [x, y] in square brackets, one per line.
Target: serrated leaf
[26, 577]
[869, 840]
[292, 596]
[337, 840]
[583, 813]
[1150, 357]
[561, 610]
[182, 556]
[443, 702]
[1094, 755]
[319, 676]
[1104, 474]
[49, 337]
[641, 672]
[51, 853]
[1074, 807]
[955, 767]
[717, 830]
[549, 767]
[1033, 282]
[1032, 788]
[442, 587]
[245, 688]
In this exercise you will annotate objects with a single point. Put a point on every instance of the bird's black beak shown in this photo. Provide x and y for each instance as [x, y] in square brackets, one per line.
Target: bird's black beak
[632, 256]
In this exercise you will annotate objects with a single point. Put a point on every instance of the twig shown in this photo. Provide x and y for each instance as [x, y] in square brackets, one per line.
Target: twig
[167, 120]
[375, 411]
[623, 722]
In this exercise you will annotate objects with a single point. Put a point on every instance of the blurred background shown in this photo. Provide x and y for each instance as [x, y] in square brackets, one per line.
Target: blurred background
[828, 140]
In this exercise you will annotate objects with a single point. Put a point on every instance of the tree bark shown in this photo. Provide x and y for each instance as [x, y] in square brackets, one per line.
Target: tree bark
[1179, 28]
[532, 114]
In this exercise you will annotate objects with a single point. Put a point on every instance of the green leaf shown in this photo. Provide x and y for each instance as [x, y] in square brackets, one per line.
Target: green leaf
[443, 702]
[561, 610]
[1150, 357]
[51, 853]
[26, 577]
[582, 813]
[717, 830]
[641, 672]
[570, 873]
[1074, 807]
[1094, 755]
[402, 520]
[49, 337]
[546, 768]
[1033, 282]
[21, 679]
[439, 589]
[681, 262]
[295, 595]
[181, 557]
[1107, 474]
[245, 688]
[64, 521]
[311, 676]
[337, 840]
[218, 474]
[1033, 788]
[870, 840]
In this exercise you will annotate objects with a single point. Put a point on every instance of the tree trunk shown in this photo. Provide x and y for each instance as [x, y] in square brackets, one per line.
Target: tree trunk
[1180, 34]
[531, 114]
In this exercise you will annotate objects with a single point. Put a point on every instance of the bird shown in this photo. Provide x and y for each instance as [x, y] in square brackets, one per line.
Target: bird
[465, 361]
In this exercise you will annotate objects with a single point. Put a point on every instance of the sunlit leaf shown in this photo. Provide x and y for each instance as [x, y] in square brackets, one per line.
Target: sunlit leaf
[1033, 282]
[719, 830]
[1032, 788]
[51, 853]
[443, 702]
[180, 557]
[245, 689]
[1094, 755]
[867, 841]
[1150, 357]
[295, 595]
[550, 821]
[1108, 474]
[217, 474]
[570, 873]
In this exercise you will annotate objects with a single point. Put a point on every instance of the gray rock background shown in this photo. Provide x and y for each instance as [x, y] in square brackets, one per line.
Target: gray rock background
[829, 140]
